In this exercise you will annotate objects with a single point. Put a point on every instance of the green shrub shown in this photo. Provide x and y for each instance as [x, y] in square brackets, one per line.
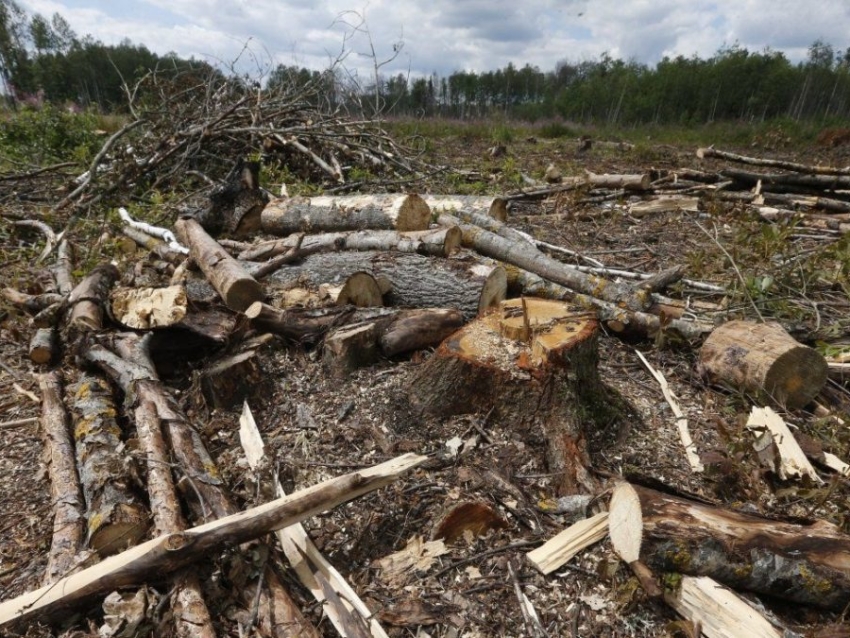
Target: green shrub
[48, 134]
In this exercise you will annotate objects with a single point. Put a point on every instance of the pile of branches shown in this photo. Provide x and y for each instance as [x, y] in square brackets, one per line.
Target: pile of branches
[195, 126]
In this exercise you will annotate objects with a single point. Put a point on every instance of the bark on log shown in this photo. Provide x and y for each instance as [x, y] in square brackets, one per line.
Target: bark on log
[34, 304]
[532, 361]
[65, 491]
[236, 287]
[763, 359]
[460, 282]
[819, 182]
[806, 564]
[42, 348]
[63, 268]
[199, 483]
[797, 201]
[116, 519]
[303, 325]
[228, 382]
[494, 207]
[760, 161]
[87, 301]
[365, 343]
[438, 242]
[357, 212]
[527, 257]
[149, 561]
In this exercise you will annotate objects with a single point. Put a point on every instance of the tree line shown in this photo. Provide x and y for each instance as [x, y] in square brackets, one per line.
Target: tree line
[45, 59]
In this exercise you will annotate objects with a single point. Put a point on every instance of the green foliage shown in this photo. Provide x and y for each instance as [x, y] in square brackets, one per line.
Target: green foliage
[555, 130]
[49, 134]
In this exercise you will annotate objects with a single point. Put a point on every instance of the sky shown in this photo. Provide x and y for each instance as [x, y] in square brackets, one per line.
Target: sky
[451, 35]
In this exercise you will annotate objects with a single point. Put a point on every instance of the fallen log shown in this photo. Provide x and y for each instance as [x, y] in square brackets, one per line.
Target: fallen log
[702, 153]
[63, 268]
[460, 282]
[494, 207]
[151, 560]
[805, 564]
[236, 287]
[531, 361]
[763, 359]
[34, 304]
[116, 518]
[42, 348]
[65, 493]
[527, 257]
[438, 242]
[774, 180]
[798, 201]
[357, 212]
[87, 301]
[642, 182]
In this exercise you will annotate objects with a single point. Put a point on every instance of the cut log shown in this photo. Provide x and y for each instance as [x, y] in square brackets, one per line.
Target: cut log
[806, 564]
[763, 359]
[495, 207]
[228, 382]
[533, 360]
[438, 242]
[360, 289]
[43, 346]
[65, 490]
[34, 304]
[702, 153]
[63, 268]
[115, 515]
[775, 181]
[357, 212]
[87, 301]
[527, 257]
[236, 287]
[460, 282]
[628, 182]
[162, 555]
[155, 245]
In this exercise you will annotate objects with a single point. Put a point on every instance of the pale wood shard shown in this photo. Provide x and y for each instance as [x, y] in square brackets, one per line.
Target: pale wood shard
[145, 308]
[664, 204]
[237, 288]
[494, 207]
[65, 492]
[763, 359]
[356, 212]
[561, 549]
[165, 554]
[681, 420]
[805, 564]
[305, 558]
[116, 518]
[835, 463]
[789, 460]
[625, 527]
[717, 611]
[460, 282]
[483, 367]
[418, 555]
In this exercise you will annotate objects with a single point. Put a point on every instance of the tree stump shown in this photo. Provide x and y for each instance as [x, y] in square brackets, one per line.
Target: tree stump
[763, 359]
[533, 362]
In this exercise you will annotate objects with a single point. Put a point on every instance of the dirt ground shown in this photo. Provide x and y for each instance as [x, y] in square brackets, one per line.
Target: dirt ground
[320, 426]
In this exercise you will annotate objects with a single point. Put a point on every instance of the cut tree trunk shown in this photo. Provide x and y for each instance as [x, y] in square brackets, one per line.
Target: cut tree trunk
[229, 381]
[438, 242]
[64, 483]
[526, 256]
[360, 289]
[87, 301]
[763, 359]
[532, 361]
[356, 212]
[365, 343]
[460, 282]
[116, 517]
[43, 346]
[457, 205]
[236, 287]
[163, 555]
[805, 564]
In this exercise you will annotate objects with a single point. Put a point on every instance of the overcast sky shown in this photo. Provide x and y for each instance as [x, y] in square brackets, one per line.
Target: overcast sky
[452, 35]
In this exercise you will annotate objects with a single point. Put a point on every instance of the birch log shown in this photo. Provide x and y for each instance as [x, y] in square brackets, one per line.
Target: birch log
[494, 207]
[357, 212]
[87, 301]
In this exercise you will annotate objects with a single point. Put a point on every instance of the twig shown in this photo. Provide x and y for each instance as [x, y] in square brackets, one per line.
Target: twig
[18, 423]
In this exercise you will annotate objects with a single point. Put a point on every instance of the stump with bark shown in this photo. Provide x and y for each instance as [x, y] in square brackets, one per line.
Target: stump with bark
[532, 361]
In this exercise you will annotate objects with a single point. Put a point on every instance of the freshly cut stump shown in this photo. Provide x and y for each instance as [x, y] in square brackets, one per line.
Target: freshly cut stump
[533, 362]
[763, 359]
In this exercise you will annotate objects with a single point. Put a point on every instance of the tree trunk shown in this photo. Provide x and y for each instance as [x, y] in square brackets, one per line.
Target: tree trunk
[64, 482]
[763, 359]
[116, 518]
[460, 282]
[236, 287]
[804, 564]
[533, 360]
[355, 212]
[438, 242]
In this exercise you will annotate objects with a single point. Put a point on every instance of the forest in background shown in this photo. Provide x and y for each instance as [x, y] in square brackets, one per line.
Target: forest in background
[43, 59]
